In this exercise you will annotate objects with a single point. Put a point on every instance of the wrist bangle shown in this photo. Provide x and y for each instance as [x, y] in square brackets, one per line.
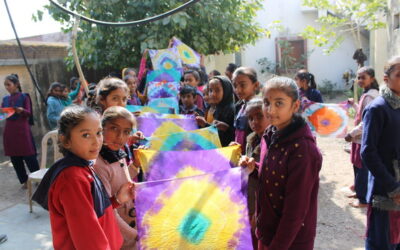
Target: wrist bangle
[116, 199]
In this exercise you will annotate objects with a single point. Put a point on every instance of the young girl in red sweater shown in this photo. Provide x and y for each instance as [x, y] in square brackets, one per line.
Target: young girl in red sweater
[81, 212]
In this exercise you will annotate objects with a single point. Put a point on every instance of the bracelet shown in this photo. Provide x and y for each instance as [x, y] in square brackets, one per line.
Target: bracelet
[116, 199]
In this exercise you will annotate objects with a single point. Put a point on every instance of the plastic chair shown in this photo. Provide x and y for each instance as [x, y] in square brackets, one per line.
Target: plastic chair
[37, 176]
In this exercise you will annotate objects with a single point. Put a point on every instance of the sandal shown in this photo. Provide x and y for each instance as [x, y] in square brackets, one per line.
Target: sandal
[358, 204]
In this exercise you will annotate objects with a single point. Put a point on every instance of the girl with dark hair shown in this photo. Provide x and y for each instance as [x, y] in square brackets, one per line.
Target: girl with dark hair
[81, 211]
[17, 138]
[192, 78]
[222, 116]
[366, 80]
[308, 88]
[54, 103]
[111, 92]
[380, 153]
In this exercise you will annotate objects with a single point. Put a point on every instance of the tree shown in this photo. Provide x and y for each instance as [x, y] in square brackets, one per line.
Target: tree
[344, 16]
[209, 26]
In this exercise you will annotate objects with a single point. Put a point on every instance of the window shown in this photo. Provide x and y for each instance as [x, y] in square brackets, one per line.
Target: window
[291, 54]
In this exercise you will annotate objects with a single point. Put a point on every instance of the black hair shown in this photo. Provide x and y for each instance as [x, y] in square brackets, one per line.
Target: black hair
[127, 77]
[391, 64]
[71, 117]
[284, 84]
[115, 112]
[52, 87]
[72, 80]
[186, 89]
[371, 72]
[15, 80]
[302, 75]
[255, 103]
[227, 98]
[215, 72]
[195, 74]
[231, 67]
[126, 71]
[246, 71]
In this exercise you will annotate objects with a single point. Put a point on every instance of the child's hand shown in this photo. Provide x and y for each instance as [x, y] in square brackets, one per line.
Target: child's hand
[233, 143]
[222, 126]
[247, 162]
[133, 139]
[396, 199]
[125, 193]
[201, 121]
[350, 101]
[348, 138]
[18, 110]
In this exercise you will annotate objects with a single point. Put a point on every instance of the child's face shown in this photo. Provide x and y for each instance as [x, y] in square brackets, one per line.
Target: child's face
[117, 97]
[10, 87]
[190, 80]
[393, 80]
[244, 87]
[132, 84]
[206, 95]
[216, 92]
[279, 107]
[86, 138]
[57, 92]
[258, 122]
[364, 80]
[116, 133]
[302, 84]
[187, 100]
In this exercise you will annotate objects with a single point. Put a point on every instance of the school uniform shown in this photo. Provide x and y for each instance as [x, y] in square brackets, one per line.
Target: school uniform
[360, 172]
[311, 94]
[190, 111]
[81, 212]
[380, 153]
[17, 137]
[288, 188]
[111, 167]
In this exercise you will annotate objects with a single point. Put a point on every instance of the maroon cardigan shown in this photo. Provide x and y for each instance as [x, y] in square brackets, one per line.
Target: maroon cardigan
[288, 188]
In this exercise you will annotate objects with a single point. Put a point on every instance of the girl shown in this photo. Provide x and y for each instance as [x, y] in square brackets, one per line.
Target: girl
[286, 205]
[135, 97]
[68, 97]
[17, 137]
[246, 85]
[54, 104]
[81, 212]
[308, 88]
[111, 92]
[366, 80]
[380, 153]
[112, 166]
[258, 123]
[192, 78]
[221, 96]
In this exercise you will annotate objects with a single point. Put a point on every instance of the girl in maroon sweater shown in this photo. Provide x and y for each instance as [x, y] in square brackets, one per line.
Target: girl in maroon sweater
[286, 208]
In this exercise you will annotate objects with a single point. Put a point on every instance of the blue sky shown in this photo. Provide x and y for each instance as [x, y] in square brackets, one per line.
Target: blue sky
[21, 11]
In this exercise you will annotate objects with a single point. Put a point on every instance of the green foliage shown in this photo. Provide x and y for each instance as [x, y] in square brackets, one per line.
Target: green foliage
[344, 16]
[209, 26]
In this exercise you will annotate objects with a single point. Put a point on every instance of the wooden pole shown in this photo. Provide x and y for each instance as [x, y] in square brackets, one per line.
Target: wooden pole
[75, 55]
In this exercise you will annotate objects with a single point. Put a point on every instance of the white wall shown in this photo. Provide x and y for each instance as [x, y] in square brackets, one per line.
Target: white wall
[289, 12]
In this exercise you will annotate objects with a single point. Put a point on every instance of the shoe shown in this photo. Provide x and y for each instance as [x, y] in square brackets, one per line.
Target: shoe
[24, 185]
[358, 204]
[3, 238]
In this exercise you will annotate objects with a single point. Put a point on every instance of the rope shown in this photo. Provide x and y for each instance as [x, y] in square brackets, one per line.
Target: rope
[130, 23]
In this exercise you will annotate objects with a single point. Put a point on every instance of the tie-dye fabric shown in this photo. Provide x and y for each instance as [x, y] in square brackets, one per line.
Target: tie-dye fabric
[170, 75]
[165, 59]
[327, 120]
[159, 165]
[162, 89]
[154, 125]
[147, 109]
[200, 212]
[6, 112]
[187, 54]
[170, 102]
[200, 139]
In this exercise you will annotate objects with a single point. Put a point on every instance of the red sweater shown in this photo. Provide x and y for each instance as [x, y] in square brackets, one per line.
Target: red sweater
[76, 221]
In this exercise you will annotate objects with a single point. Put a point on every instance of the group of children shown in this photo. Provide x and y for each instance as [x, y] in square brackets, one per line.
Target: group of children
[91, 202]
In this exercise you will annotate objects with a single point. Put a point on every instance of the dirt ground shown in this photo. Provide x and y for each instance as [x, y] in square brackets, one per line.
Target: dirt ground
[339, 225]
